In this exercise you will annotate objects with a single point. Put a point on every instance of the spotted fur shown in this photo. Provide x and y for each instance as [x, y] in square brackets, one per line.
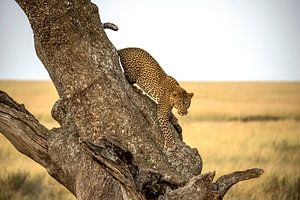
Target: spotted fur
[142, 69]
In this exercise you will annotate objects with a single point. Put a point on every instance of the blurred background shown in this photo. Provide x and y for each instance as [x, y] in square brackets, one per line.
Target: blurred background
[240, 58]
[193, 40]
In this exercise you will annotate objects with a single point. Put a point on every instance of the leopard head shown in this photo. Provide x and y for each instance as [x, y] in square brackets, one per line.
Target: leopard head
[181, 100]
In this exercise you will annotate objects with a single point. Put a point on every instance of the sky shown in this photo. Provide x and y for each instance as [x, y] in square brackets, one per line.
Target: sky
[196, 40]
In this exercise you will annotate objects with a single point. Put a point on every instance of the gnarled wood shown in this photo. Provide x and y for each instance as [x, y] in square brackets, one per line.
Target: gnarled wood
[23, 130]
[225, 182]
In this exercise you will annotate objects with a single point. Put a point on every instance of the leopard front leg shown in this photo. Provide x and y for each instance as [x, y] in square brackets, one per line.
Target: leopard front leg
[176, 125]
[163, 112]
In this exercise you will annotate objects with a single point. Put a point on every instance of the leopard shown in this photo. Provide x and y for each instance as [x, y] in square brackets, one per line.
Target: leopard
[141, 69]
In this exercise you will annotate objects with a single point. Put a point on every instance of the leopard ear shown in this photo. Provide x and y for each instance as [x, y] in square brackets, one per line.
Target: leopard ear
[190, 95]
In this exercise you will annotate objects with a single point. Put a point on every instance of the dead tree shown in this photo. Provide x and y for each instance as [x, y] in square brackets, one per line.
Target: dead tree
[109, 145]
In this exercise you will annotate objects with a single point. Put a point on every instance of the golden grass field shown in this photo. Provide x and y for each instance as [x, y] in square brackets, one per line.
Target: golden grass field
[234, 125]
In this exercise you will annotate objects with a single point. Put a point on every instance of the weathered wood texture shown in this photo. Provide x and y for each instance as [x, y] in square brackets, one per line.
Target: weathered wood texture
[109, 145]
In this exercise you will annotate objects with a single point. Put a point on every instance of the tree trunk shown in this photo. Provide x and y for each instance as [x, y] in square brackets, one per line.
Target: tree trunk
[109, 145]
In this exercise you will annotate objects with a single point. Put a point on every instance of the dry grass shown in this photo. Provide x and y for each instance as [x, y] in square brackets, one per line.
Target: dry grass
[230, 100]
[235, 126]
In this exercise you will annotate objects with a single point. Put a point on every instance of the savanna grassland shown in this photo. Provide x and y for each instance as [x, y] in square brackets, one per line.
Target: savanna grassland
[234, 125]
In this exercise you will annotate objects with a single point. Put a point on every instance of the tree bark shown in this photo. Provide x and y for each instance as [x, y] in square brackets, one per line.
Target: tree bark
[109, 145]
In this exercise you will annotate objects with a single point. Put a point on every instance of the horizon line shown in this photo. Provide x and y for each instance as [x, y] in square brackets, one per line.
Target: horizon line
[205, 80]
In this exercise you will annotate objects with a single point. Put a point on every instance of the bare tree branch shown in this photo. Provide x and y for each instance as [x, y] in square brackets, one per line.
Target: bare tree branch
[224, 183]
[23, 130]
[109, 25]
